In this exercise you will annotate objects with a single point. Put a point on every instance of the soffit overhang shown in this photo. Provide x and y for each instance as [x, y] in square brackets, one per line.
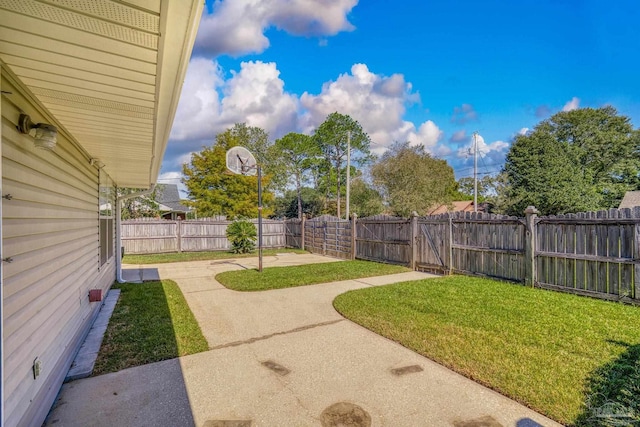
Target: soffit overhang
[110, 72]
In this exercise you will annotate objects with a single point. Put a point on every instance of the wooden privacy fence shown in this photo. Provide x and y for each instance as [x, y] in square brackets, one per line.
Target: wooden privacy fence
[593, 253]
[145, 237]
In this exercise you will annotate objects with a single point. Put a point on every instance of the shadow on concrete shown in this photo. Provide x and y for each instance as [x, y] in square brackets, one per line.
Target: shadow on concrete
[613, 390]
[153, 394]
[141, 334]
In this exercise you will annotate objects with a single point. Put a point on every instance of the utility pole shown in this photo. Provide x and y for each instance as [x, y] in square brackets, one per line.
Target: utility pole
[348, 173]
[475, 171]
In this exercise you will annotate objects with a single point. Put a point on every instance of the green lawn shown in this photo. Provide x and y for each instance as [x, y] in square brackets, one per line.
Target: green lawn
[151, 322]
[309, 274]
[200, 256]
[557, 353]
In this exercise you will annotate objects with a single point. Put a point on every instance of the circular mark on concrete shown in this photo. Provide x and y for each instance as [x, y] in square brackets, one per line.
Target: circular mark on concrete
[345, 414]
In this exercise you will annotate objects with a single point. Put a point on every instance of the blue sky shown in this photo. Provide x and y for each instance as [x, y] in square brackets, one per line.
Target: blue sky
[430, 72]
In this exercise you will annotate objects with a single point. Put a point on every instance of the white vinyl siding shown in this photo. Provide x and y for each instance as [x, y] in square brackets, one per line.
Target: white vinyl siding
[51, 232]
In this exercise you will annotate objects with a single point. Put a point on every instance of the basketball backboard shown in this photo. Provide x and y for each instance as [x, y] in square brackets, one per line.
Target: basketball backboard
[241, 161]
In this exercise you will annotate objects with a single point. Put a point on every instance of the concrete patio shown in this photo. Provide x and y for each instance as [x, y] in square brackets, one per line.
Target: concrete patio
[284, 358]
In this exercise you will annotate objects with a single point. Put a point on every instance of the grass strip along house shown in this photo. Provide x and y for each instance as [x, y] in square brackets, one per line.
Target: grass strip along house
[89, 93]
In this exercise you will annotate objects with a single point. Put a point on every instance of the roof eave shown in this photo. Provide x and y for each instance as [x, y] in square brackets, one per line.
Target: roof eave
[173, 59]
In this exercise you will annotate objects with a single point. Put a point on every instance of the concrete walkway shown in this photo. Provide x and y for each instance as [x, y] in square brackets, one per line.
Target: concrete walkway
[284, 358]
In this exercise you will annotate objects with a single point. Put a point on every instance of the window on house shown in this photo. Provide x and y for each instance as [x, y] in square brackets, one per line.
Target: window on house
[107, 202]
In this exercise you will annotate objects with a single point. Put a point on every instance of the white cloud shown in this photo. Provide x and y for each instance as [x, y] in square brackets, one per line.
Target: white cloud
[428, 134]
[523, 131]
[199, 102]
[237, 27]
[571, 105]
[311, 17]
[497, 146]
[254, 95]
[493, 151]
[377, 102]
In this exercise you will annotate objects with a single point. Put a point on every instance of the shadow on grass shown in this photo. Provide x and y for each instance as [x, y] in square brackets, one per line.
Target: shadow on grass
[151, 323]
[613, 392]
[140, 330]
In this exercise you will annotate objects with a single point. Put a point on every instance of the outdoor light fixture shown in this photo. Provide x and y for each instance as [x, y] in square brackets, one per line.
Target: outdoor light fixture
[96, 162]
[45, 136]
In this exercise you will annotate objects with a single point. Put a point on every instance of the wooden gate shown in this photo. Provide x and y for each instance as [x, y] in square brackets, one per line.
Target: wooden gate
[434, 245]
[488, 245]
[293, 233]
[328, 235]
[384, 239]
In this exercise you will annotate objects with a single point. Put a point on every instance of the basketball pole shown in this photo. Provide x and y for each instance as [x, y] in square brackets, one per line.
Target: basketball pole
[259, 218]
[246, 167]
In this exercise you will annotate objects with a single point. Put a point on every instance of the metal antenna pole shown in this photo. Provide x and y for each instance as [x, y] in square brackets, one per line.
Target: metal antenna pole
[348, 173]
[259, 219]
[475, 171]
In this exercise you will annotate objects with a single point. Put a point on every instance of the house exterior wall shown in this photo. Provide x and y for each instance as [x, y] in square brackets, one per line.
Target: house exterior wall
[50, 230]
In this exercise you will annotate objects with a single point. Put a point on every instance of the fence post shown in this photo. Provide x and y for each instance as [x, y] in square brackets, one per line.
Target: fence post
[635, 286]
[302, 231]
[450, 243]
[414, 239]
[530, 274]
[354, 218]
[324, 237]
[284, 234]
[179, 236]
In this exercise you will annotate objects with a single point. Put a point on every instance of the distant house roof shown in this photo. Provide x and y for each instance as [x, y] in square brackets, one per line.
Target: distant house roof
[631, 199]
[168, 196]
[458, 206]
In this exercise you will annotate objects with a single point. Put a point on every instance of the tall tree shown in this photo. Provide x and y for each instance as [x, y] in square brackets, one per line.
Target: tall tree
[544, 173]
[576, 160]
[332, 135]
[215, 191]
[412, 180]
[294, 155]
[365, 200]
[287, 204]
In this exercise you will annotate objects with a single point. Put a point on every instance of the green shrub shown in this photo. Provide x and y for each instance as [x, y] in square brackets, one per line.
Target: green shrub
[242, 234]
